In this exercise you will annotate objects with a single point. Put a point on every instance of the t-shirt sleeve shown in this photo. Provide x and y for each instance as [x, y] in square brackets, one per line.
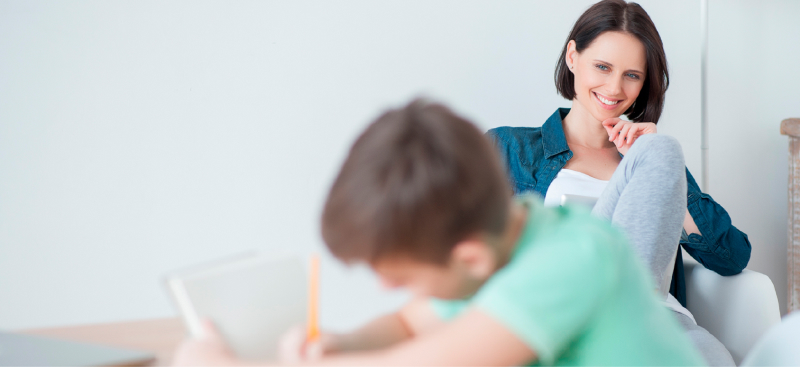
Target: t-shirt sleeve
[448, 309]
[550, 293]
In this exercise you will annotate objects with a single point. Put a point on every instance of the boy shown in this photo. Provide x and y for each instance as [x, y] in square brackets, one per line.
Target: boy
[423, 199]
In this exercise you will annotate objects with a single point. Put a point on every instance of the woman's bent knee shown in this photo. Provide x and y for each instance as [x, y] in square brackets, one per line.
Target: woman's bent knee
[664, 149]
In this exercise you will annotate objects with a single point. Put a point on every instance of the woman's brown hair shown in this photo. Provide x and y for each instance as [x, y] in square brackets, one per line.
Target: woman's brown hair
[619, 16]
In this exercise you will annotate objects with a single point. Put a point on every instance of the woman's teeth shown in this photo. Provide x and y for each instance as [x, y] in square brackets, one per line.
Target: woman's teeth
[605, 101]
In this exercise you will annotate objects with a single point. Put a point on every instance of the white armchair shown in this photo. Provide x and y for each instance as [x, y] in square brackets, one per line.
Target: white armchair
[737, 309]
[778, 347]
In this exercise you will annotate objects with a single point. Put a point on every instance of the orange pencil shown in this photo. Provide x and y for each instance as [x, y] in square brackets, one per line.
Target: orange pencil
[313, 300]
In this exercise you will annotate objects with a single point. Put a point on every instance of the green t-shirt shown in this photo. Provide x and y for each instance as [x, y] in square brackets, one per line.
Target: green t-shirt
[576, 294]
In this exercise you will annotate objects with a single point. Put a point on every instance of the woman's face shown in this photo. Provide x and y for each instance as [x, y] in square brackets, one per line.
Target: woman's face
[609, 74]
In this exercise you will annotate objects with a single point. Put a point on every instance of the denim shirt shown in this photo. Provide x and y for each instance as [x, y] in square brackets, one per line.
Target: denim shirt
[534, 156]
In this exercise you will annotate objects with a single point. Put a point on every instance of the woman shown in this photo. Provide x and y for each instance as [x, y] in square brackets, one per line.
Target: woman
[613, 64]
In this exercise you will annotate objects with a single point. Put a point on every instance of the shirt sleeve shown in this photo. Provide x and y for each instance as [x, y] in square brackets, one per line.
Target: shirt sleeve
[721, 246]
[549, 295]
[448, 309]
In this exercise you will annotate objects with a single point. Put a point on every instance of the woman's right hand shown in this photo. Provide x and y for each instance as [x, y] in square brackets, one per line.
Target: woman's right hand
[295, 347]
[624, 133]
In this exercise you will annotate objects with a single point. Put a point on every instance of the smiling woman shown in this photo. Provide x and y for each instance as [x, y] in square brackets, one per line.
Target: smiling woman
[626, 55]
[612, 65]
[611, 86]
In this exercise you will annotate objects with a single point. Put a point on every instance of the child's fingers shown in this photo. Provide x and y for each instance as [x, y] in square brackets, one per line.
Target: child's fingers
[208, 330]
[292, 344]
[205, 348]
[314, 351]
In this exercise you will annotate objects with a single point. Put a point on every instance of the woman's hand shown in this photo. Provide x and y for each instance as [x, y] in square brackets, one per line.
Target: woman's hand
[624, 133]
[296, 348]
[206, 350]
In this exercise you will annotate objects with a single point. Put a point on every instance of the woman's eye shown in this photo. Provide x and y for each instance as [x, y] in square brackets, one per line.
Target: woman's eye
[602, 67]
[633, 76]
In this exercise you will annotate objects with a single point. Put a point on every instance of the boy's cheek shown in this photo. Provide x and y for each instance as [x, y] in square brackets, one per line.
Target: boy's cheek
[417, 289]
[389, 284]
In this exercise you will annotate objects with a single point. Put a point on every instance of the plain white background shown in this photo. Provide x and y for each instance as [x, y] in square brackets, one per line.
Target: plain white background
[137, 137]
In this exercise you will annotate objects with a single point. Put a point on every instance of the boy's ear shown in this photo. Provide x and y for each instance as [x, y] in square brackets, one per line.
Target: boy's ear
[476, 256]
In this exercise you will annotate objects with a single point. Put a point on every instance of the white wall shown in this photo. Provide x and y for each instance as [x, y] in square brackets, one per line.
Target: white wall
[137, 137]
[754, 78]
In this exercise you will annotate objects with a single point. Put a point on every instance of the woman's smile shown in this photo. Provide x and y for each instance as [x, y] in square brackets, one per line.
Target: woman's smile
[606, 102]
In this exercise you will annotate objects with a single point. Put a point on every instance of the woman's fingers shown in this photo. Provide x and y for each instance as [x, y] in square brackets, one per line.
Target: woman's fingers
[608, 130]
[633, 133]
[623, 133]
[649, 128]
[609, 124]
[617, 128]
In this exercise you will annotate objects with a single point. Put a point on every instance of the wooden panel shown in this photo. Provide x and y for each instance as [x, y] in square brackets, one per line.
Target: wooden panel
[791, 127]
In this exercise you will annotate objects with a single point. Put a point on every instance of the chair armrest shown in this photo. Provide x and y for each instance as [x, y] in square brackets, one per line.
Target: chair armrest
[736, 309]
[778, 347]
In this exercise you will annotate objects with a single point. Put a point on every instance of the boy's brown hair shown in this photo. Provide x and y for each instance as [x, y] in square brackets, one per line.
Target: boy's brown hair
[417, 181]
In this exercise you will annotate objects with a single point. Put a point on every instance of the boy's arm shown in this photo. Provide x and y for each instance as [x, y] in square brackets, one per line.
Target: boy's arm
[475, 338]
[414, 319]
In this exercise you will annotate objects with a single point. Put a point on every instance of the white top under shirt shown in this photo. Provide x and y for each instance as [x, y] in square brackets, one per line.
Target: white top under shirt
[577, 183]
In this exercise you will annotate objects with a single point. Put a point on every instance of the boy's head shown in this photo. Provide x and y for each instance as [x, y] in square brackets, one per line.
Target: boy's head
[420, 197]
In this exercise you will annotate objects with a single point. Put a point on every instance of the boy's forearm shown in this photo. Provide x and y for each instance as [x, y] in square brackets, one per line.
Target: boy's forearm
[377, 334]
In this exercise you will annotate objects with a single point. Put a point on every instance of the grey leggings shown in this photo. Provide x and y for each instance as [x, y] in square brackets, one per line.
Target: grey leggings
[646, 198]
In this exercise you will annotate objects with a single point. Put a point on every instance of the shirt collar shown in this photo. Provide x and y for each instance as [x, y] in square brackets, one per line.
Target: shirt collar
[554, 141]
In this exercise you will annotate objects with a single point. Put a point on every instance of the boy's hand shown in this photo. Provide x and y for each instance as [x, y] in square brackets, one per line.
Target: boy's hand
[206, 350]
[624, 133]
[295, 348]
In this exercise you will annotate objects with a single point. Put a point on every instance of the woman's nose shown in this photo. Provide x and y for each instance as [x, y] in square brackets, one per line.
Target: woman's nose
[614, 86]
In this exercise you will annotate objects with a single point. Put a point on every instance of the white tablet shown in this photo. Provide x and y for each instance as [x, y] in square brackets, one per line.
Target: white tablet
[252, 299]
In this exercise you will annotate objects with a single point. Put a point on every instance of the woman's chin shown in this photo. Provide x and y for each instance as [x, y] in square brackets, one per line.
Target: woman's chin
[604, 116]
